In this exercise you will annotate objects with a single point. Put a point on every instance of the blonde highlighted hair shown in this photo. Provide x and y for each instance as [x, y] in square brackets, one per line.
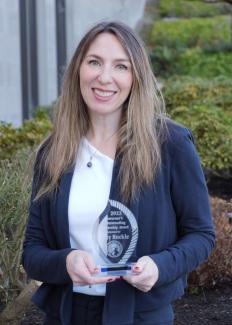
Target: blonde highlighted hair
[141, 126]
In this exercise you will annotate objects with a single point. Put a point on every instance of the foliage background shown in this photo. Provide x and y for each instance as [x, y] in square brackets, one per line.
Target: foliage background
[190, 43]
[17, 152]
[190, 47]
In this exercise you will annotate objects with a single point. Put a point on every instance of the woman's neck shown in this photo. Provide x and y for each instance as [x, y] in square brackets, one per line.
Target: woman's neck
[103, 135]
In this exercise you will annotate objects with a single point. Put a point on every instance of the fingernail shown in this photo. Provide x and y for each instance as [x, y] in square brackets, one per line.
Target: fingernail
[110, 280]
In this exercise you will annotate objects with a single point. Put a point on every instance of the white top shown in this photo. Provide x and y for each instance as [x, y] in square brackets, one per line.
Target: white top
[89, 194]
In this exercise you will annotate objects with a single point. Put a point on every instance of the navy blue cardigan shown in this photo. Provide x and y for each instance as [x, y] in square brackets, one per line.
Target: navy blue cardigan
[175, 230]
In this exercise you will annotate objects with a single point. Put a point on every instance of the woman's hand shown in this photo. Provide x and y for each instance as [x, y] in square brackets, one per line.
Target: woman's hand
[147, 274]
[81, 269]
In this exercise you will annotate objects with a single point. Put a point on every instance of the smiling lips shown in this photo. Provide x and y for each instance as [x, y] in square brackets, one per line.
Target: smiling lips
[103, 94]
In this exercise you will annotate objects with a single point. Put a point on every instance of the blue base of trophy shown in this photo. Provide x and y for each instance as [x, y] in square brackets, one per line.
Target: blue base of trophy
[115, 270]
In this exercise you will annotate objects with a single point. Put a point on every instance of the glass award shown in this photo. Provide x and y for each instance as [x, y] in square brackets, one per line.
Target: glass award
[116, 235]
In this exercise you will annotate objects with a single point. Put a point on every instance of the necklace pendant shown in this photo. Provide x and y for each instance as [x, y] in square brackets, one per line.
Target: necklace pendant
[89, 164]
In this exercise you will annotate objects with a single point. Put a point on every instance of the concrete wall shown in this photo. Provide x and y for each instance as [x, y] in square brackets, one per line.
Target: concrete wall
[10, 65]
[82, 14]
[47, 60]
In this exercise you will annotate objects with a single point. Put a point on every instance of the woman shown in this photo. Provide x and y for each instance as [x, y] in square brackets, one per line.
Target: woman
[112, 144]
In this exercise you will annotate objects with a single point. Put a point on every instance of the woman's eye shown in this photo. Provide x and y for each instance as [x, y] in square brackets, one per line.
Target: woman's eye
[94, 62]
[121, 67]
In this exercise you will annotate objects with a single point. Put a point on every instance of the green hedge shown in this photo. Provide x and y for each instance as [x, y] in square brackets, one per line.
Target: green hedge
[212, 129]
[187, 91]
[31, 133]
[16, 146]
[163, 60]
[187, 9]
[193, 62]
[196, 63]
[15, 180]
[202, 32]
[205, 106]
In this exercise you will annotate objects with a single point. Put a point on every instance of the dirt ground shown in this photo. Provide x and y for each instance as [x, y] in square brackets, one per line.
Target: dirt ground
[209, 307]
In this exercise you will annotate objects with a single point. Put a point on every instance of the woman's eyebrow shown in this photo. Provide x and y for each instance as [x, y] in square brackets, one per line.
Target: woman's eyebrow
[100, 58]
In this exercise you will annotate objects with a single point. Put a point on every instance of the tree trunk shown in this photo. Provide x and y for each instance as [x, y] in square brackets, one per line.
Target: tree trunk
[14, 311]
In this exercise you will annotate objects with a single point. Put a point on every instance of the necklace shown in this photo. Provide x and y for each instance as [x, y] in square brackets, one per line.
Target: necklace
[92, 155]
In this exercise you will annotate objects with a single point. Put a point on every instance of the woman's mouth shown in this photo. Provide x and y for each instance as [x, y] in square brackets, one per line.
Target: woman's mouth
[103, 95]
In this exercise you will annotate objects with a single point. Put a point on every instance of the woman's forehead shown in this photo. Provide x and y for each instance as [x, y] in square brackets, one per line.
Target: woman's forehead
[107, 44]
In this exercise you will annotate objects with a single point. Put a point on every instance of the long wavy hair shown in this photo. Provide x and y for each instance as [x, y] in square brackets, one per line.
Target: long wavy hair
[141, 125]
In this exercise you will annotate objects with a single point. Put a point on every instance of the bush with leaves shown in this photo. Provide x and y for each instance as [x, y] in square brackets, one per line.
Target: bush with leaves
[212, 129]
[28, 135]
[218, 268]
[15, 180]
[164, 60]
[187, 9]
[196, 47]
[194, 62]
[186, 33]
[198, 63]
[188, 91]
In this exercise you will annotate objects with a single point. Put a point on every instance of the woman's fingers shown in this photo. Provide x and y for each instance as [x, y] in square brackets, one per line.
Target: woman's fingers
[89, 262]
[97, 280]
[79, 265]
[147, 274]
[140, 264]
[82, 268]
[93, 280]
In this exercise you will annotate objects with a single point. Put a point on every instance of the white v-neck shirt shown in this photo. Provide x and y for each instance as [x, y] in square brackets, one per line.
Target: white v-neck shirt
[89, 194]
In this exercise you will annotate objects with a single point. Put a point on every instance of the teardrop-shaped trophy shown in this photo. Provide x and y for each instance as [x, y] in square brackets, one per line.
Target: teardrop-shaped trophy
[116, 236]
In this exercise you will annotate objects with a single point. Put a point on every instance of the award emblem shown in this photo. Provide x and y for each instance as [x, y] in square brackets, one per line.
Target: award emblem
[116, 235]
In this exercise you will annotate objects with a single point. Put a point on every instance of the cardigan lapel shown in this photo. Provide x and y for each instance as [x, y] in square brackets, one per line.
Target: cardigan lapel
[61, 209]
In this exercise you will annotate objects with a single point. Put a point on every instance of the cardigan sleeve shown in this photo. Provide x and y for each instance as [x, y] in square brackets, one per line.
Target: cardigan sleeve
[41, 259]
[196, 235]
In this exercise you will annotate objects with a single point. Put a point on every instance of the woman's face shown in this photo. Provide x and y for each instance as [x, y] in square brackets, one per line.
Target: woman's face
[105, 76]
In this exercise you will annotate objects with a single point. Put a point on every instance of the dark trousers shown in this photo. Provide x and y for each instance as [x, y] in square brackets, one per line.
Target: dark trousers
[87, 310]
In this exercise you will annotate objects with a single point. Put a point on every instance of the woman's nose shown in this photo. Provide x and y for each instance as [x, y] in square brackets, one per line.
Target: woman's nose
[105, 75]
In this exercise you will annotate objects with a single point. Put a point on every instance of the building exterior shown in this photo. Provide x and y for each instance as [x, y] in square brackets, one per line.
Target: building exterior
[38, 38]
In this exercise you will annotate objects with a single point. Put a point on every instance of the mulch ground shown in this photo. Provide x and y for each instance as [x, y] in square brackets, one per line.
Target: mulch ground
[209, 307]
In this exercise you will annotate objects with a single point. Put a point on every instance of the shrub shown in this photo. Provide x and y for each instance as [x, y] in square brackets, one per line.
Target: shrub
[187, 91]
[193, 62]
[187, 9]
[218, 267]
[164, 60]
[15, 180]
[183, 33]
[212, 129]
[196, 63]
[31, 133]
[205, 106]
